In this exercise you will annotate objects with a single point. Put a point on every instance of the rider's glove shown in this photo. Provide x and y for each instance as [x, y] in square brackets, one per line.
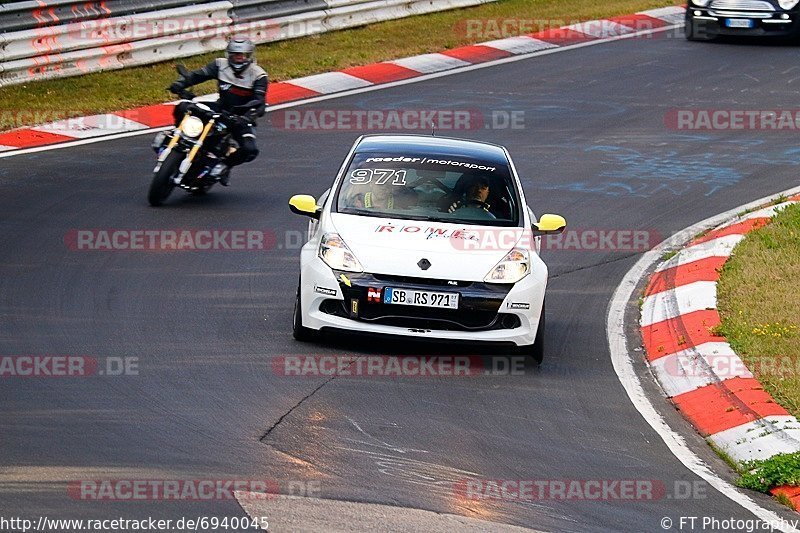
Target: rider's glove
[176, 87]
[251, 115]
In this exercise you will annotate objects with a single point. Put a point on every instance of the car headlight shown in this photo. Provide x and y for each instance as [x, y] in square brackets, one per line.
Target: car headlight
[700, 3]
[335, 253]
[512, 268]
[787, 4]
[192, 127]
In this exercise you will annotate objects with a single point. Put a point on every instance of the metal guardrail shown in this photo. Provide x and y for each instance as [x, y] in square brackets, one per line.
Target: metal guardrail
[252, 10]
[99, 33]
[70, 38]
[27, 15]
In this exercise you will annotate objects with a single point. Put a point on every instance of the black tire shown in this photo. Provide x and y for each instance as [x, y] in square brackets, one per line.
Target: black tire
[162, 184]
[300, 332]
[536, 350]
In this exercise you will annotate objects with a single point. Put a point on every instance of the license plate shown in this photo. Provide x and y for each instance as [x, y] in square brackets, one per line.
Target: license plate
[739, 23]
[446, 300]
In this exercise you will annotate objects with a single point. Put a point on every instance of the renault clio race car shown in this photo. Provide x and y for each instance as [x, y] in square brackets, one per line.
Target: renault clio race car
[424, 237]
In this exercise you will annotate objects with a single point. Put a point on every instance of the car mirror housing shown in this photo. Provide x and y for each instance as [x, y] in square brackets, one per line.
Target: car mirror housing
[304, 204]
[549, 225]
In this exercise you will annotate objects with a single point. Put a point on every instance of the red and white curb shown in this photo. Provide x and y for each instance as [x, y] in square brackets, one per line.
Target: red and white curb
[697, 369]
[157, 116]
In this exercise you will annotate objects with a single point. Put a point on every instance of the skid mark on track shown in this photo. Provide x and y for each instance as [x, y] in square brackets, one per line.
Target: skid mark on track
[594, 265]
[374, 441]
[625, 169]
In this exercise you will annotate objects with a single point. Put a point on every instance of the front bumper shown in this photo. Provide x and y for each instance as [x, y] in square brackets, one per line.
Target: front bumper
[485, 313]
[712, 22]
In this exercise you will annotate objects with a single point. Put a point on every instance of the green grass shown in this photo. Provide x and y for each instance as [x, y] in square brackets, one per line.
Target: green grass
[669, 255]
[124, 89]
[724, 456]
[760, 309]
[760, 306]
[777, 471]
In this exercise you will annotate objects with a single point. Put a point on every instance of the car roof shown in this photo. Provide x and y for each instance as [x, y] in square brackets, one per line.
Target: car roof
[429, 145]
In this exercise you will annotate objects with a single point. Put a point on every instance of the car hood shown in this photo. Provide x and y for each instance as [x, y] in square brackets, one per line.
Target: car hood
[395, 247]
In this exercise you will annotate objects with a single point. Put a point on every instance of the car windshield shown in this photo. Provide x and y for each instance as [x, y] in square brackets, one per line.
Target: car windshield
[443, 189]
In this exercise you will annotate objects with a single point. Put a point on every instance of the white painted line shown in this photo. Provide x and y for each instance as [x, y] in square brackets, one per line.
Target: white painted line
[621, 358]
[600, 29]
[519, 45]
[428, 63]
[379, 87]
[4, 148]
[760, 439]
[330, 82]
[679, 301]
[91, 126]
[672, 14]
[720, 247]
[697, 367]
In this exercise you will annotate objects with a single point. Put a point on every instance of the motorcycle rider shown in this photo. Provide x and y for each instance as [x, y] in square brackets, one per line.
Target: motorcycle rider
[242, 88]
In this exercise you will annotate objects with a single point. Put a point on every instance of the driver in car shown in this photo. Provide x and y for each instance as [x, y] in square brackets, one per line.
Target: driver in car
[385, 197]
[476, 196]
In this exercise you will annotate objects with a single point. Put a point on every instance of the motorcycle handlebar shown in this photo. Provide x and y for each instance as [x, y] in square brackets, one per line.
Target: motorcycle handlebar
[225, 117]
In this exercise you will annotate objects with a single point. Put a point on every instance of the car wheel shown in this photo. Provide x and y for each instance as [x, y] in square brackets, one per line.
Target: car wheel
[536, 350]
[300, 332]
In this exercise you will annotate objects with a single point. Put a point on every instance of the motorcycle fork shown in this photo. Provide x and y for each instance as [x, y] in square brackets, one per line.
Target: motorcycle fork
[173, 141]
[186, 163]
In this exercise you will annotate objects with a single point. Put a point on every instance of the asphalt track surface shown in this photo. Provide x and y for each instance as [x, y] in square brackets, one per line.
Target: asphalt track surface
[206, 325]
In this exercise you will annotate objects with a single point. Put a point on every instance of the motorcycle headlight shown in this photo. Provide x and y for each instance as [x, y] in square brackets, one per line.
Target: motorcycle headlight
[192, 127]
[335, 253]
[512, 268]
[787, 4]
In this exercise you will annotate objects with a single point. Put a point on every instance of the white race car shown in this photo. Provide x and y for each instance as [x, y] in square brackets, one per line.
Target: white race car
[424, 237]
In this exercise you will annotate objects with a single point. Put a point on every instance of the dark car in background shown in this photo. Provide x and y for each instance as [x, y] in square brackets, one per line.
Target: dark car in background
[707, 19]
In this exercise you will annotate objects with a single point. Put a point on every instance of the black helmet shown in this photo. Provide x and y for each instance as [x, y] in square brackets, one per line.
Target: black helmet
[240, 45]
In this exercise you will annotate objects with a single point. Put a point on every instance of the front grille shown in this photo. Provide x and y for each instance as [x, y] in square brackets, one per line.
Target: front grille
[744, 5]
[425, 318]
[422, 281]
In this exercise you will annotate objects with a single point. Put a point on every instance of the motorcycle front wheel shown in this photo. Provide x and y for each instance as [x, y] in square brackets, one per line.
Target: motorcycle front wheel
[162, 183]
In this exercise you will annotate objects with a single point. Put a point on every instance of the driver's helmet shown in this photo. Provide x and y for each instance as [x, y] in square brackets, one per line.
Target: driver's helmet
[240, 53]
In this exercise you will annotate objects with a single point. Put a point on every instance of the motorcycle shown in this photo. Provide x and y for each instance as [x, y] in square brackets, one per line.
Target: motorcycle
[187, 154]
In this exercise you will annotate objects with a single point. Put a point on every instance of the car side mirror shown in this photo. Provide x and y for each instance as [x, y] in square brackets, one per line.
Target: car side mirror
[549, 225]
[304, 204]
